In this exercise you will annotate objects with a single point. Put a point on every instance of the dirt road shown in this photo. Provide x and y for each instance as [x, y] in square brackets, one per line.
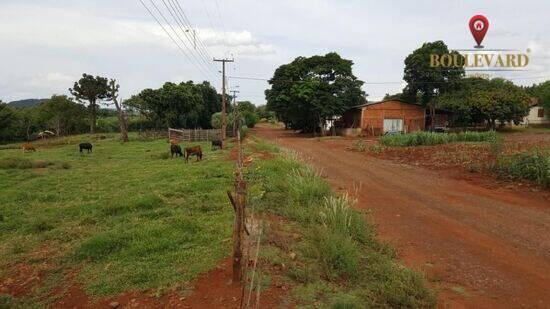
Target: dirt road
[478, 247]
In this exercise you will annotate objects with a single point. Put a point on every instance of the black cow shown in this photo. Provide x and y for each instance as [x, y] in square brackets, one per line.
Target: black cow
[217, 143]
[86, 146]
[190, 151]
[176, 150]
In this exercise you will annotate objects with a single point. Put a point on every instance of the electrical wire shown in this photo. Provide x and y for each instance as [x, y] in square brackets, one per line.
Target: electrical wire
[172, 39]
[178, 36]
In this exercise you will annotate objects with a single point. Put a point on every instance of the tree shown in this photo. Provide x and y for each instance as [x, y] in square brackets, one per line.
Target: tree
[184, 105]
[91, 89]
[542, 93]
[478, 100]
[426, 81]
[247, 111]
[265, 114]
[61, 115]
[308, 91]
[8, 122]
[121, 113]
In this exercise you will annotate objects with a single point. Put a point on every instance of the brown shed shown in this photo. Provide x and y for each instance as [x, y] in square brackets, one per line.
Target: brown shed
[377, 118]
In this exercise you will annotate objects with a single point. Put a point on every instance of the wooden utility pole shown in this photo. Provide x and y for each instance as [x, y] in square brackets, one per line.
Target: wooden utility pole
[235, 113]
[223, 124]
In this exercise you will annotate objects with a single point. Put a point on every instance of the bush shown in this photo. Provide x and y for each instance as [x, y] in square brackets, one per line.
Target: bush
[534, 165]
[421, 138]
[360, 146]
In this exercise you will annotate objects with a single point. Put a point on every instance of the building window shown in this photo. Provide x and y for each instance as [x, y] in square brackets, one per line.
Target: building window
[541, 113]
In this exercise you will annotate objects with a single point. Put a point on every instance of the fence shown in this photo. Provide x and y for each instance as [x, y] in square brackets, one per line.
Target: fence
[193, 135]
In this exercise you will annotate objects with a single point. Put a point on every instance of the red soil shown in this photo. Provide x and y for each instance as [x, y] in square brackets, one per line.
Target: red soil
[478, 246]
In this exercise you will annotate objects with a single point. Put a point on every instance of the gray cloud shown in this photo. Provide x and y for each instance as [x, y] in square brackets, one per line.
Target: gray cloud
[47, 44]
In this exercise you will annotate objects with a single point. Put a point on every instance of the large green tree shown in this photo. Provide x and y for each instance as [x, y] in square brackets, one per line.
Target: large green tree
[479, 100]
[309, 90]
[426, 81]
[91, 89]
[184, 105]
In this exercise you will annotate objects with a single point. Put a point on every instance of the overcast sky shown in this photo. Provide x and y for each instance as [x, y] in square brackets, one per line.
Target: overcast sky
[45, 45]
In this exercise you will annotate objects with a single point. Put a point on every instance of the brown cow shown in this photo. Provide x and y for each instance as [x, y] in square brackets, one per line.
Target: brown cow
[196, 151]
[28, 147]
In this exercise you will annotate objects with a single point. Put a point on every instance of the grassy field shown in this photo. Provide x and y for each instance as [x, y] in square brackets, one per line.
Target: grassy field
[126, 216]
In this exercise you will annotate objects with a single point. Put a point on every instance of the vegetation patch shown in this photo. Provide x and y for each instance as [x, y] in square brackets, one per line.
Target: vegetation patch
[333, 257]
[23, 163]
[532, 165]
[421, 138]
[123, 219]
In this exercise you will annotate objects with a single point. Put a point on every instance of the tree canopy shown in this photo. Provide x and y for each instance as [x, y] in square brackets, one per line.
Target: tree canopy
[309, 90]
[91, 89]
[427, 82]
[183, 105]
[479, 100]
[542, 93]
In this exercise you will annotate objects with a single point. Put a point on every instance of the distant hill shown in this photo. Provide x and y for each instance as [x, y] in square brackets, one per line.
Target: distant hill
[26, 103]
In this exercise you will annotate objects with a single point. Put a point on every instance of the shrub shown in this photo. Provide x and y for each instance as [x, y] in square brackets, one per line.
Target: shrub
[360, 146]
[533, 165]
[420, 138]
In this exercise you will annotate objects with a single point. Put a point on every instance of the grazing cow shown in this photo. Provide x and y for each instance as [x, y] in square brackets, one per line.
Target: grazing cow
[196, 151]
[86, 146]
[176, 150]
[217, 143]
[28, 147]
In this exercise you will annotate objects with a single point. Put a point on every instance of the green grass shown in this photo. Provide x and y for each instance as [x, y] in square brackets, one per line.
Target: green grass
[339, 262]
[532, 165]
[126, 216]
[421, 138]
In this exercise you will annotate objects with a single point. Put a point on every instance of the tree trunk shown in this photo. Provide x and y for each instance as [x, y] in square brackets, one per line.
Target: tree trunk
[122, 121]
[432, 117]
[92, 116]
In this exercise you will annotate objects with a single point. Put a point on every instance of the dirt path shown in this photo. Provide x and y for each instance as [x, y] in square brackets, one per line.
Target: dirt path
[478, 247]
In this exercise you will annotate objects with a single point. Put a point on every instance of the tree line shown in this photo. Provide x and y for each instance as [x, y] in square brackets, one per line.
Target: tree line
[307, 91]
[179, 105]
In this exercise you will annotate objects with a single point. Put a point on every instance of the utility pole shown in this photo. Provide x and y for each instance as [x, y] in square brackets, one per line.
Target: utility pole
[235, 125]
[224, 125]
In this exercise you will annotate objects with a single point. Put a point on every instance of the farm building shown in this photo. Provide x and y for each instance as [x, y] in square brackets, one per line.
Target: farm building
[377, 118]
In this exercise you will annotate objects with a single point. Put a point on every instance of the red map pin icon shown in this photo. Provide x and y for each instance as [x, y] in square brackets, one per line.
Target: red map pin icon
[479, 26]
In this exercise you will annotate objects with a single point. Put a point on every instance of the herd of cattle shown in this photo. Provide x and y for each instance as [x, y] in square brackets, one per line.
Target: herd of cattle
[175, 149]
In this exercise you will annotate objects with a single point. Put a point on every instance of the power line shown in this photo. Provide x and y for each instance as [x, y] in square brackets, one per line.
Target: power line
[182, 13]
[176, 33]
[369, 83]
[173, 40]
[183, 21]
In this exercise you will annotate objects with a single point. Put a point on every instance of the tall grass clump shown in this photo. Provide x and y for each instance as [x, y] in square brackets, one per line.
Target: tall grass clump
[338, 215]
[421, 138]
[531, 165]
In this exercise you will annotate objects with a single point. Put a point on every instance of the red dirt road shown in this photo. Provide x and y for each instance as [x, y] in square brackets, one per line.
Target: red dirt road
[478, 247]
